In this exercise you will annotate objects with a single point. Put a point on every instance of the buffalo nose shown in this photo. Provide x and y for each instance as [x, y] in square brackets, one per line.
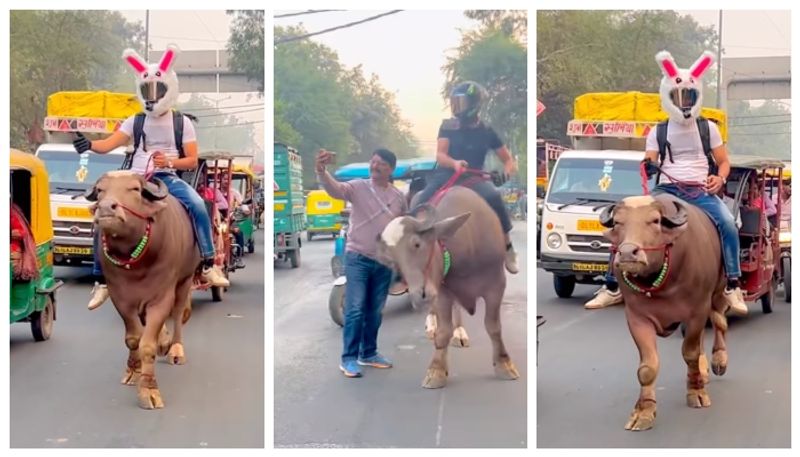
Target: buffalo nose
[629, 252]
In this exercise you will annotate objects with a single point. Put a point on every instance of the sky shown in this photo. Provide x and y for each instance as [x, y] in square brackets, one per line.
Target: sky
[199, 30]
[406, 50]
[753, 33]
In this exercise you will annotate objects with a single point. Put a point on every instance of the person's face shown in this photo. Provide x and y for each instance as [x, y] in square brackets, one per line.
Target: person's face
[380, 169]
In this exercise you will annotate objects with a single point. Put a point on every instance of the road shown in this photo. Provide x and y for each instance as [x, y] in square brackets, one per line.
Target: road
[66, 392]
[316, 406]
[587, 382]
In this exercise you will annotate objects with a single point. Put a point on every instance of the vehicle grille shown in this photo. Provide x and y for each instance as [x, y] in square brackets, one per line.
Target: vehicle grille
[588, 243]
[65, 228]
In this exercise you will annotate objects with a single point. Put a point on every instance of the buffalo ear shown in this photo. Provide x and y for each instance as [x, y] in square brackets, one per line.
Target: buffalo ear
[448, 227]
[89, 195]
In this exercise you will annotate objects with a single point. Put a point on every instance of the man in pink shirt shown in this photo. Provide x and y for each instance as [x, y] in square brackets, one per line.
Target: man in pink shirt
[374, 203]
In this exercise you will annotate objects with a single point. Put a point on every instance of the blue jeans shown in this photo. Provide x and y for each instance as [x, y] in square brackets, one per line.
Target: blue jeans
[719, 214]
[365, 294]
[191, 200]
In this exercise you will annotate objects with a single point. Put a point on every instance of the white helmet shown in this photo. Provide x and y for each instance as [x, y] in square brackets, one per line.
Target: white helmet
[156, 84]
[681, 89]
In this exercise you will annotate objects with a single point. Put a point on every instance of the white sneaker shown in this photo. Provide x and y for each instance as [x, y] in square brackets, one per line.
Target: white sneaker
[511, 261]
[735, 300]
[214, 277]
[99, 296]
[603, 298]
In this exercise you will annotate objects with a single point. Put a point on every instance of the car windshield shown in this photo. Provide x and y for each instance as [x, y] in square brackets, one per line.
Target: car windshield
[595, 180]
[70, 171]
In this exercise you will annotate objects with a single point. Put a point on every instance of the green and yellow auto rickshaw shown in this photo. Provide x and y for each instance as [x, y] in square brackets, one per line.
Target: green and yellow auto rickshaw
[33, 287]
[243, 181]
[323, 214]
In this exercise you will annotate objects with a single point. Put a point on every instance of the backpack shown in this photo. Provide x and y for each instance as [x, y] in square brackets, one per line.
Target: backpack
[177, 127]
[705, 138]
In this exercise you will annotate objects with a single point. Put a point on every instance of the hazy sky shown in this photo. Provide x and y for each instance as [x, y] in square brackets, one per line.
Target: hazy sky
[406, 50]
[199, 30]
[752, 33]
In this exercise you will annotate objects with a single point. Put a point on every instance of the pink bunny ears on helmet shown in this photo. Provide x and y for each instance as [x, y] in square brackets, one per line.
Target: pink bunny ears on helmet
[698, 68]
[140, 66]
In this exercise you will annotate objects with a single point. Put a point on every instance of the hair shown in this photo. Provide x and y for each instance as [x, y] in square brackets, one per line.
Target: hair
[387, 156]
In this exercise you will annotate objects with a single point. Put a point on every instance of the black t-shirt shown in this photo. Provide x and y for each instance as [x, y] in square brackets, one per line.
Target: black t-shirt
[469, 143]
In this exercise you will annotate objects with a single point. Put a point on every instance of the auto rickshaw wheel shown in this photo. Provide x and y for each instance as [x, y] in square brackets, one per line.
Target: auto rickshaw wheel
[294, 257]
[42, 321]
[786, 267]
[336, 305]
[309, 235]
[768, 298]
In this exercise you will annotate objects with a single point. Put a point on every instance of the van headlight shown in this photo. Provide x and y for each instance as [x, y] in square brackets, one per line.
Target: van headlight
[554, 241]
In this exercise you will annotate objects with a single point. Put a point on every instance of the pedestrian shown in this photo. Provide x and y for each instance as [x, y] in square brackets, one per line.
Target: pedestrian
[374, 203]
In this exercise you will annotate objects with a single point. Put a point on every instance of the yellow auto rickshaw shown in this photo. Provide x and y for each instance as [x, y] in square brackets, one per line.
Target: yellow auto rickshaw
[33, 287]
[323, 214]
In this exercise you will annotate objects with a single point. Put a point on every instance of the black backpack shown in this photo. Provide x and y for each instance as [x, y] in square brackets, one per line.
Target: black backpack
[177, 127]
[665, 148]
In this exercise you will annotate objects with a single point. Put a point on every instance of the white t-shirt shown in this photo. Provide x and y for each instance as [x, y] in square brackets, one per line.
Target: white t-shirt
[687, 151]
[158, 136]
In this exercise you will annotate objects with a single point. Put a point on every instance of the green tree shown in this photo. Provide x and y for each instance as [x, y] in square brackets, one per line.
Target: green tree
[53, 51]
[495, 57]
[246, 45]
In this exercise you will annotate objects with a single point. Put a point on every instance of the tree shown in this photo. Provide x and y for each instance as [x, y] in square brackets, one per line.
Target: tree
[217, 129]
[53, 51]
[246, 45]
[495, 57]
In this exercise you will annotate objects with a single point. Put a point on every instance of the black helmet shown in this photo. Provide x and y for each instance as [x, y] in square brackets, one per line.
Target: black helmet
[466, 100]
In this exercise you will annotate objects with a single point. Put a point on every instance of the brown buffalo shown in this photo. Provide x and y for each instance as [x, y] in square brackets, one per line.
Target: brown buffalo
[663, 237]
[156, 285]
[468, 228]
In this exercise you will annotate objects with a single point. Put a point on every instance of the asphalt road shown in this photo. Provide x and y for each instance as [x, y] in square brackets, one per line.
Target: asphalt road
[66, 392]
[587, 384]
[316, 406]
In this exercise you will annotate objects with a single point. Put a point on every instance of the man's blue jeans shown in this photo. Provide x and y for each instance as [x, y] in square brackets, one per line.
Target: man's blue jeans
[719, 214]
[191, 200]
[365, 295]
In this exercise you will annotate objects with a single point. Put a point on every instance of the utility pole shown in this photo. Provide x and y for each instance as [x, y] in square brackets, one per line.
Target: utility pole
[719, 62]
[147, 35]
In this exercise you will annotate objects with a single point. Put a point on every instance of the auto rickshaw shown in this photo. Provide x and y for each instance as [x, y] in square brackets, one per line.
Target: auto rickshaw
[33, 287]
[244, 216]
[323, 214]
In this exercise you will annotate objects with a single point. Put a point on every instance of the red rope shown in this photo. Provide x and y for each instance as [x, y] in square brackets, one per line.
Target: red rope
[643, 174]
[477, 175]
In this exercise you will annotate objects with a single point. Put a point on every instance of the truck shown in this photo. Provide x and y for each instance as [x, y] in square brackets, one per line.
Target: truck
[96, 114]
[608, 136]
[289, 206]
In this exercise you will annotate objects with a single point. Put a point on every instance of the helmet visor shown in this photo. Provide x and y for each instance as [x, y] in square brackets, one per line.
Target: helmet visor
[153, 91]
[459, 104]
[684, 98]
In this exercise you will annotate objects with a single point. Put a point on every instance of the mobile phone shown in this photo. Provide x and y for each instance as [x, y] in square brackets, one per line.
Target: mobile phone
[332, 157]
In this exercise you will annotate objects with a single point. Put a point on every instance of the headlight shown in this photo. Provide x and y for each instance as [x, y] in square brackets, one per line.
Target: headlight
[785, 237]
[554, 241]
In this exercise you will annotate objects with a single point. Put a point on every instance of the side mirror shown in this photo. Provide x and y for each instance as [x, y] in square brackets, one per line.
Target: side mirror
[540, 192]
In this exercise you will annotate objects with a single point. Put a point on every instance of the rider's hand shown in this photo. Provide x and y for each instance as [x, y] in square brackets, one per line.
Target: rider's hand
[323, 158]
[81, 143]
[714, 184]
[159, 159]
[510, 168]
[460, 165]
[649, 168]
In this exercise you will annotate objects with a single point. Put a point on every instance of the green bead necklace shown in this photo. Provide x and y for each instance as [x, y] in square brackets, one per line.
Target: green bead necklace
[135, 255]
[657, 284]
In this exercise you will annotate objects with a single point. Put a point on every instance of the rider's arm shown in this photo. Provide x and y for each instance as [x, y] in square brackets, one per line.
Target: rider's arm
[508, 160]
[190, 161]
[723, 163]
[334, 188]
[442, 156]
[116, 140]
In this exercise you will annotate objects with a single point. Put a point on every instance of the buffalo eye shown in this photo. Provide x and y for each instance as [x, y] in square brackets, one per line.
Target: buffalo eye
[416, 245]
[655, 221]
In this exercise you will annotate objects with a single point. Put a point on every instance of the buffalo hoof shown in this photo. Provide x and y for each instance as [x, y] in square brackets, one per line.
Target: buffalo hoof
[435, 379]
[698, 398]
[131, 377]
[506, 370]
[176, 355]
[150, 398]
[642, 418]
[460, 338]
[719, 362]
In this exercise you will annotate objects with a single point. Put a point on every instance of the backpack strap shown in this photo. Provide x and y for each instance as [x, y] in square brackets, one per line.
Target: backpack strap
[705, 139]
[177, 126]
[138, 133]
[663, 144]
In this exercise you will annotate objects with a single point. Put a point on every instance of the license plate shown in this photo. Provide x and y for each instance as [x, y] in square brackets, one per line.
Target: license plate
[599, 267]
[75, 212]
[72, 250]
[589, 225]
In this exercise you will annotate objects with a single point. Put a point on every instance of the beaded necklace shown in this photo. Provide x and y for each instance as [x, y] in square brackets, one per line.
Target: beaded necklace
[135, 255]
[657, 284]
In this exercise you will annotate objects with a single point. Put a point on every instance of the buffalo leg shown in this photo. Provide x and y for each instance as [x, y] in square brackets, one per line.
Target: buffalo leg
[149, 395]
[436, 377]
[696, 394]
[133, 334]
[180, 314]
[460, 337]
[504, 368]
[719, 354]
[644, 335]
